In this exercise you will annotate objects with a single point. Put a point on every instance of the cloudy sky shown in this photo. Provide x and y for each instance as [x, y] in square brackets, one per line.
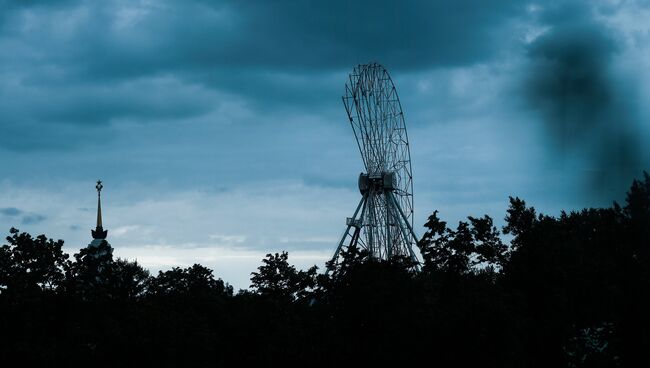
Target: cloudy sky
[218, 128]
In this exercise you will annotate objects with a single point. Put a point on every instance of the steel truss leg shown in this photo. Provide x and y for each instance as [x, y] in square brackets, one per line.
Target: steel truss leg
[362, 202]
[396, 205]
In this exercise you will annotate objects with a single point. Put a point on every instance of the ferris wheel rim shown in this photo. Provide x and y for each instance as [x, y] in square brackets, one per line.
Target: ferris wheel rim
[352, 88]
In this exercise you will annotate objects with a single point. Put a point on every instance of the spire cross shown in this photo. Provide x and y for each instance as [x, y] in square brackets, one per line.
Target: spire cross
[99, 187]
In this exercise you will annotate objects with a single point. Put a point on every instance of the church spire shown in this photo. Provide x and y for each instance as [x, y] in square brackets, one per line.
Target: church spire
[99, 232]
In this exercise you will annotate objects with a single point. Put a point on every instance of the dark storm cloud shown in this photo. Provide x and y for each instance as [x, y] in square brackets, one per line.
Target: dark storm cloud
[8, 7]
[27, 219]
[99, 104]
[10, 211]
[33, 219]
[72, 67]
[332, 34]
[283, 35]
[590, 108]
[37, 117]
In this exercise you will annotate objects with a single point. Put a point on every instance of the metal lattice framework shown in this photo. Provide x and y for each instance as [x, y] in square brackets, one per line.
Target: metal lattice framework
[383, 220]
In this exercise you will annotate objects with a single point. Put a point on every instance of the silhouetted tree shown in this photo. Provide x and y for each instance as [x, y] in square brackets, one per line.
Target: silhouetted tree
[371, 305]
[519, 220]
[195, 281]
[583, 278]
[349, 258]
[128, 280]
[89, 276]
[635, 324]
[637, 218]
[31, 264]
[460, 251]
[276, 278]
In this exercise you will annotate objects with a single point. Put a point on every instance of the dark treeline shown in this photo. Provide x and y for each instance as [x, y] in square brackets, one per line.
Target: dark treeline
[567, 291]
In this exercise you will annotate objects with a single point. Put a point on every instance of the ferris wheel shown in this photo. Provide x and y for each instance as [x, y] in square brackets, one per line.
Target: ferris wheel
[382, 223]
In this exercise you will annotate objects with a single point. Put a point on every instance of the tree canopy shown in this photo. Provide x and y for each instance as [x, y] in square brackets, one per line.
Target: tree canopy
[571, 290]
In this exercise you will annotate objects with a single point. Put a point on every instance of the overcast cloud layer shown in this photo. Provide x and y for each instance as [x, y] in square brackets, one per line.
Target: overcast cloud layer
[218, 129]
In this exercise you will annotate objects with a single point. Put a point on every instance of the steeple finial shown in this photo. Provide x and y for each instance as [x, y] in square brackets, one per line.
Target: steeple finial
[99, 232]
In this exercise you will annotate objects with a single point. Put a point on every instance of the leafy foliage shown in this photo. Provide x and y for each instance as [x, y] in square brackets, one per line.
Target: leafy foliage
[276, 278]
[474, 243]
[195, 281]
[29, 264]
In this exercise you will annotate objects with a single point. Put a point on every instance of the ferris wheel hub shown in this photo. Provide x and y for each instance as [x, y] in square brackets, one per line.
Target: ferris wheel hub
[380, 182]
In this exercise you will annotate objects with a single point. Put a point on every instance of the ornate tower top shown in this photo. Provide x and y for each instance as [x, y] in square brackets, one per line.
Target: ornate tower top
[99, 232]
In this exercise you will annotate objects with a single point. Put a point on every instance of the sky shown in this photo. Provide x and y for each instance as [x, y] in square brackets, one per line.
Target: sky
[218, 129]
